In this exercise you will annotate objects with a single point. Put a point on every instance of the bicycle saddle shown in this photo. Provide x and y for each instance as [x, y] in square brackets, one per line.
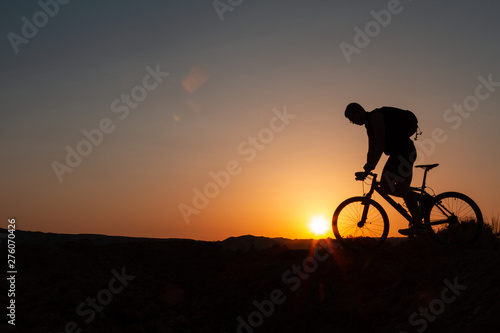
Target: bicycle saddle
[427, 166]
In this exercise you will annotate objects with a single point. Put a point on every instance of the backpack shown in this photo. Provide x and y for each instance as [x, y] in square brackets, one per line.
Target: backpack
[402, 123]
[409, 124]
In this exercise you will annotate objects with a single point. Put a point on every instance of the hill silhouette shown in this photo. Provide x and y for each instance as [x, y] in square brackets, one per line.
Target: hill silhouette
[99, 283]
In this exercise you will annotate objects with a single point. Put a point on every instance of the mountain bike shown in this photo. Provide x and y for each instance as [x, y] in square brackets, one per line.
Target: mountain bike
[450, 218]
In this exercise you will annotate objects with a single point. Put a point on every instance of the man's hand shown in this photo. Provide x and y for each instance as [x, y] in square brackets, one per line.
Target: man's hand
[368, 167]
[361, 175]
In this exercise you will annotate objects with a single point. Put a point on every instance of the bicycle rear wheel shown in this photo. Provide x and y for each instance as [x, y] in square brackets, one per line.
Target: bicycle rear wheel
[454, 219]
[353, 234]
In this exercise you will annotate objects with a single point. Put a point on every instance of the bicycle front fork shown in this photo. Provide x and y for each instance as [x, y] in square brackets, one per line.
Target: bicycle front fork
[366, 206]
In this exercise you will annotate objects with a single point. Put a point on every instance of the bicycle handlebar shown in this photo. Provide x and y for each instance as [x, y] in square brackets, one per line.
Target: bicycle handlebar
[361, 175]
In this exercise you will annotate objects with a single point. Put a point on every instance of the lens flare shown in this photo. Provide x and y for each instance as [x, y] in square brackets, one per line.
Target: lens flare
[195, 79]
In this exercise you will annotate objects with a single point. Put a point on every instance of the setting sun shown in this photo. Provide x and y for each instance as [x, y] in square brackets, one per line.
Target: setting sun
[319, 225]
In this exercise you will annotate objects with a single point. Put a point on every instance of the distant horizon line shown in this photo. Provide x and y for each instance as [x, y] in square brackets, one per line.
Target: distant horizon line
[4, 235]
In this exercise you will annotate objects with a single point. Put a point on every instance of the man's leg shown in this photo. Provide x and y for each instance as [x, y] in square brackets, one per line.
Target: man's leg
[397, 176]
[397, 186]
[405, 168]
[390, 177]
[411, 202]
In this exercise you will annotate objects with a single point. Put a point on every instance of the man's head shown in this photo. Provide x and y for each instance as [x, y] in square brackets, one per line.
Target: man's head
[355, 113]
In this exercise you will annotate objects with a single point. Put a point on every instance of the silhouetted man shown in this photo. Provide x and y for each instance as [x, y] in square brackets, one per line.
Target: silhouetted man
[385, 135]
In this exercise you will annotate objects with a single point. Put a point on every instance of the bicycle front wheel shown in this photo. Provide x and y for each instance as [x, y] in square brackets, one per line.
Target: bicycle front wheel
[454, 219]
[355, 234]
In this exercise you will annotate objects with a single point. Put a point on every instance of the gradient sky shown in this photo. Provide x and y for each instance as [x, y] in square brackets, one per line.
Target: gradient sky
[224, 80]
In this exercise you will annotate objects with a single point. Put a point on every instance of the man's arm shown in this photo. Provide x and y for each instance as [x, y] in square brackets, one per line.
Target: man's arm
[377, 143]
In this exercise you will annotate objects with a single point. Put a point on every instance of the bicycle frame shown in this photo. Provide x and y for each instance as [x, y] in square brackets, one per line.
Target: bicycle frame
[420, 191]
[376, 188]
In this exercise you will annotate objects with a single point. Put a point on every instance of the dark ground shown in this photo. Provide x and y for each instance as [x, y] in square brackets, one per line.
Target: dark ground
[194, 286]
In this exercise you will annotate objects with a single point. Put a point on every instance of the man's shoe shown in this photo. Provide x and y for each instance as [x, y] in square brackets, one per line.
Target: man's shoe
[413, 230]
[405, 232]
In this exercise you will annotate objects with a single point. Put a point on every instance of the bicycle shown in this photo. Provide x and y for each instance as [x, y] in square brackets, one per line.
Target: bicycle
[450, 218]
